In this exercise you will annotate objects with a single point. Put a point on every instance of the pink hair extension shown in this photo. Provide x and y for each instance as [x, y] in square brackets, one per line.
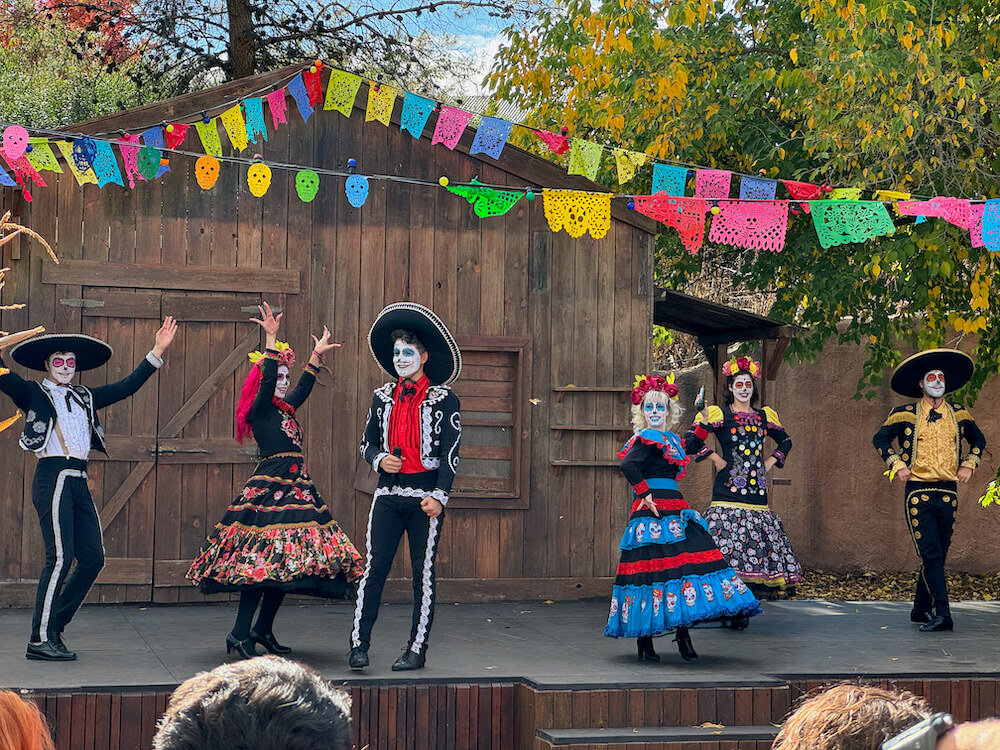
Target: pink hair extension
[247, 395]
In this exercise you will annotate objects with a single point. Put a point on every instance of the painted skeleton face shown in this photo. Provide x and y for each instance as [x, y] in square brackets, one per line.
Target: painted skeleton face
[281, 386]
[742, 388]
[62, 367]
[933, 384]
[655, 413]
[407, 358]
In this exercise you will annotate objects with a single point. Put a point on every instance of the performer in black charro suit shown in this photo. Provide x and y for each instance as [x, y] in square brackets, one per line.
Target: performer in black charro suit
[61, 427]
[929, 434]
[411, 440]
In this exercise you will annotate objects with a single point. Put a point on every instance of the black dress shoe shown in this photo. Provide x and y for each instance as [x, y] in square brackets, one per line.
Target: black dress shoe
[269, 643]
[736, 623]
[51, 650]
[684, 645]
[937, 624]
[245, 648]
[921, 617]
[408, 661]
[357, 659]
[645, 646]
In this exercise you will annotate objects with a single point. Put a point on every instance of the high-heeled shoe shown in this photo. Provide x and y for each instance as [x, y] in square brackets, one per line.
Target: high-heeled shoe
[244, 649]
[645, 646]
[268, 642]
[683, 641]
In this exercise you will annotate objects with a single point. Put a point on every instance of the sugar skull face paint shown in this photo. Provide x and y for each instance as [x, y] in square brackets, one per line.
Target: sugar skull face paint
[281, 386]
[743, 388]
[407, 358]
[62, 367]
[655, 413]
[933, 384]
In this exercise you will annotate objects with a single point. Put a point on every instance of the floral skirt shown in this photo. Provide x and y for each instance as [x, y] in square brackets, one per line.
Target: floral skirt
[671, 574]
[278, 533]
[755, 544]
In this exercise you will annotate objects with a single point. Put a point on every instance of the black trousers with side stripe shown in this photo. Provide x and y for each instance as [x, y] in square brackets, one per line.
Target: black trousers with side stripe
[395, 509]
[930, 513]
[71, 530]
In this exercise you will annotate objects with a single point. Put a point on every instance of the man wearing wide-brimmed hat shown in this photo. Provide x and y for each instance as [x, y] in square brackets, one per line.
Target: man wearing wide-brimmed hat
[61, 427]
[411, 440]
[929, 459]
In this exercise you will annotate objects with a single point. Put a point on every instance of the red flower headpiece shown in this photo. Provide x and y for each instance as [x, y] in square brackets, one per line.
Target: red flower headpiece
[741, 364]
[646, 383]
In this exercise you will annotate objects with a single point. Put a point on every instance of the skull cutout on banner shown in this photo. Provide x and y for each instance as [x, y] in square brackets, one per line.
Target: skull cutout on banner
[149, 162]
[15, 141]
[206, 171]
[84, 151]
[259, 179]
[306, 185]
[357, 190]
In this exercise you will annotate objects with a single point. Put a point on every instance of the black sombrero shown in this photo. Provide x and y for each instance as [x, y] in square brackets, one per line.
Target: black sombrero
[444, 360]
[90, 352]
[957, 368]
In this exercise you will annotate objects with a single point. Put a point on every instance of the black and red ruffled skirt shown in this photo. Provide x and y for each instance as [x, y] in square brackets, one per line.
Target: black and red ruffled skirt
[278, 533]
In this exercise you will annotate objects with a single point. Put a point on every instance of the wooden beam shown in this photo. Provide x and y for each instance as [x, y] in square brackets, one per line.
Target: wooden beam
[774, 353]
[747, 334]
[178, 277]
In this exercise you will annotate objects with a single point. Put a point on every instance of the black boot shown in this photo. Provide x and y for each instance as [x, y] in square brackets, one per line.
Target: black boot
[269, 642]
[245, 648]
[357, 659]
[683, 640]
[645, 646]
[408, 661]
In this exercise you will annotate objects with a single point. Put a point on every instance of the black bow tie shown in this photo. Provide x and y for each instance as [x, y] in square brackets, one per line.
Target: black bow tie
[409, 390]
[933, 416]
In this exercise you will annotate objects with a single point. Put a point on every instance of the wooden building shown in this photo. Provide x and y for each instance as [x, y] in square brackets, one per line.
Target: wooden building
[552, 330]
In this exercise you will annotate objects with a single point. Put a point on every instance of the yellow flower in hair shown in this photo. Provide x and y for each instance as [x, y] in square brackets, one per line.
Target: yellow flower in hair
[638, 381]
[255, 357]
[280, 346]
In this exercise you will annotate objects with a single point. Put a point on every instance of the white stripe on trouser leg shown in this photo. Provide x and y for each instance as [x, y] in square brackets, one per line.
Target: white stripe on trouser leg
[359, 606]
[426, 589]
[50, 590]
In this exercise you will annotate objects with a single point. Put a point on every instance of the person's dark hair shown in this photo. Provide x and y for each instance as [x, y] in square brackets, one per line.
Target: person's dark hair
[409, 337]
[850, 717]
[730, 399]
[265, 703]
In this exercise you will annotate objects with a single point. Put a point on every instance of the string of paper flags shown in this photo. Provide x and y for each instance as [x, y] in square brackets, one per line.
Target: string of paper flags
[757, 219]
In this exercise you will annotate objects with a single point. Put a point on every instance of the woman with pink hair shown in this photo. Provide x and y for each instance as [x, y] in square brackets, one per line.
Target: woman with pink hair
[277, 535]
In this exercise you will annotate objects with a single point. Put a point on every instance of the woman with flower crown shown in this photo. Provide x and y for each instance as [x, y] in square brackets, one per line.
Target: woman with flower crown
[671, 574]
[748, 532]
[277, 535]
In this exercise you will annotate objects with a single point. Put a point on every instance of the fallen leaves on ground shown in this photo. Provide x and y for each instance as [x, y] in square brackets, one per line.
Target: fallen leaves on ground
[871, 586]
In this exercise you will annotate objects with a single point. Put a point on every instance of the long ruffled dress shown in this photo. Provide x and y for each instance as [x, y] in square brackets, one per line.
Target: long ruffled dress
[278, 532]
[750, 534]
[671, 573]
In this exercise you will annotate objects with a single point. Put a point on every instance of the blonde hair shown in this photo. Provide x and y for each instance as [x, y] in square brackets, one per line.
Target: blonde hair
[850, 717]
[674, 411]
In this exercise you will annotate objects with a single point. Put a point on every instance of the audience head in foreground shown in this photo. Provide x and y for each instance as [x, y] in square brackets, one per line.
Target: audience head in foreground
[22, 726]
[266, 703]
[850, 717]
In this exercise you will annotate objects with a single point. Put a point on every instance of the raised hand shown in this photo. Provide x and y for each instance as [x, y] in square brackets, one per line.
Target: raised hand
[323, 344]
[164, 336]
[268, 322]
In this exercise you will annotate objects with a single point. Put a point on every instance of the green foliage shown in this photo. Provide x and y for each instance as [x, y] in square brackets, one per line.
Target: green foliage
[888, 94]
[43, 84]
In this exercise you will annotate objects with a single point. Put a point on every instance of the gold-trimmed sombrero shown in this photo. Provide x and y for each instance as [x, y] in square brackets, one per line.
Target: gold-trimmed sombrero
[444, 360]
[957, 368]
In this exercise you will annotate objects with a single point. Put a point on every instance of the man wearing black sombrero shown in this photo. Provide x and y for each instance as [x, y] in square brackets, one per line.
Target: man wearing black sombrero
[929, 436]
[61, 427]
[411, 440]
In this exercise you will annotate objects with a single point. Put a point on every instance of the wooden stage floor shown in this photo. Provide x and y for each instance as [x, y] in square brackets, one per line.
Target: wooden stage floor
[515, 675]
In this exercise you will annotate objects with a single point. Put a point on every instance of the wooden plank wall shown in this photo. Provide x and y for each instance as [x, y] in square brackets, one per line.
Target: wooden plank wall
[506, 715]
[586, 305]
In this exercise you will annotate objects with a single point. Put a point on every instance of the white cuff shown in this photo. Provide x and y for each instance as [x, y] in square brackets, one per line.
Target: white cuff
[155, 361]
[440, 495]
[377, 460]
